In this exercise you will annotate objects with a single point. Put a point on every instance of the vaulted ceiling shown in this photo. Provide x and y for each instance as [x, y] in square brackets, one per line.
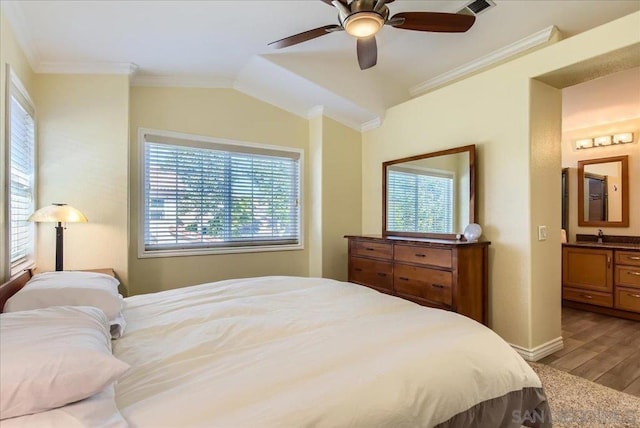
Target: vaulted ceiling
[224, 44]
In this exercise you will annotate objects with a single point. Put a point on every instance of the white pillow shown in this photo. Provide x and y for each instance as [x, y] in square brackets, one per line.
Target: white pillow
[54, 356]
[68, 289]
[99, 410]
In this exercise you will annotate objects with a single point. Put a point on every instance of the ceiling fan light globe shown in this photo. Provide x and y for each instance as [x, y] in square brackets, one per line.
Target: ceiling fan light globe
[363, 24]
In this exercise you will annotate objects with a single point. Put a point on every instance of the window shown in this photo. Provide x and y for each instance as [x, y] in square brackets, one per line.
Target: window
[202, 195]
[420, 200]
[20, 175]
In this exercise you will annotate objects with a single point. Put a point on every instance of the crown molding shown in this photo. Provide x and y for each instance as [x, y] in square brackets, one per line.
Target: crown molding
[180, 81]
[349, 123]
[548, 34]
[315, 111]
[370, 125]
[127, 68]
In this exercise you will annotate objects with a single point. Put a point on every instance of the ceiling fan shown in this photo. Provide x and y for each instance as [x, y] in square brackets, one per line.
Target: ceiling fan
[364, 18]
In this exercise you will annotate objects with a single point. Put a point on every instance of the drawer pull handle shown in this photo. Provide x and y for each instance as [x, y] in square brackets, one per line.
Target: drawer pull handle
[437, 285]
[382, 274]
[637, 296]
[403, 278]
[370, 249]
[586, 296]
[633, 257]
[421, 255]
[608, 262]
[633, 273]
[358, 270]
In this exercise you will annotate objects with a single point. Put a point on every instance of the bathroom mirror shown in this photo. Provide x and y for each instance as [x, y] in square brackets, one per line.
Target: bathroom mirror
[430, 195]
[603, 192]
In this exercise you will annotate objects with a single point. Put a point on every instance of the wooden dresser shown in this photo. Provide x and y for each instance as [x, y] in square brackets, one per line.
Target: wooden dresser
[602, 278]
[446, 274]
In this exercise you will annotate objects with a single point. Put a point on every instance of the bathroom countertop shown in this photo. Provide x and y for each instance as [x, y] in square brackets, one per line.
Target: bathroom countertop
[612, 245]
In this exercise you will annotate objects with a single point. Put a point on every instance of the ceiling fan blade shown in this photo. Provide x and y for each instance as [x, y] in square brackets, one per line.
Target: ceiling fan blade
[305, 36]
[367, 52]
[434, 21]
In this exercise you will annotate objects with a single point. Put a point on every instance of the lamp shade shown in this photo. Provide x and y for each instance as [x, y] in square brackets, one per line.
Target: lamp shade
[62, 213]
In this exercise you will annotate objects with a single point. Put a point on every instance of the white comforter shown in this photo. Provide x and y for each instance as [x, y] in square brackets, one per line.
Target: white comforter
[299, 352]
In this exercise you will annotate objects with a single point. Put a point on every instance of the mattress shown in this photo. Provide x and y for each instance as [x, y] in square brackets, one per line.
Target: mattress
[303, 352]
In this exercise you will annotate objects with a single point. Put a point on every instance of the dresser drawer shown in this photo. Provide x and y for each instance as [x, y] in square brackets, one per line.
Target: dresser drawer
[430, 284]
[372, 249]
[374, 273]
[628, 276]
[421, 255]
[590, 297]
[628, 258]
[628, 299]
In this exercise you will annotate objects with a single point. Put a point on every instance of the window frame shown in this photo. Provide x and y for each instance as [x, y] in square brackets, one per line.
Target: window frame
[16, 89]
[201, 141]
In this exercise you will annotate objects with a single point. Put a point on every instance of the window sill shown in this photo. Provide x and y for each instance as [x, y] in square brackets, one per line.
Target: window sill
[145, 254]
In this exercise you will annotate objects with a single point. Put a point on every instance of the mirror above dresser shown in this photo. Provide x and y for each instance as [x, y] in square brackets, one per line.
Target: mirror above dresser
[431, 195]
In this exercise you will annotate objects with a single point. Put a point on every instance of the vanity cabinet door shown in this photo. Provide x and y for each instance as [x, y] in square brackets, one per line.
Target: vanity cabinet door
[628, 299]
[587, 268]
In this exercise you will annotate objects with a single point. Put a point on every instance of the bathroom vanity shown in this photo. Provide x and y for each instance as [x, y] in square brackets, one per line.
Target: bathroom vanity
[602, 277]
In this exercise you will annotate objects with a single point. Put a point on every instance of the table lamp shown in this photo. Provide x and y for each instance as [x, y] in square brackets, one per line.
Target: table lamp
[58, 213]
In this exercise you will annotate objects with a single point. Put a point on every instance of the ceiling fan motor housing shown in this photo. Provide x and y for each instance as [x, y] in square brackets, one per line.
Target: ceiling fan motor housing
[361, 18]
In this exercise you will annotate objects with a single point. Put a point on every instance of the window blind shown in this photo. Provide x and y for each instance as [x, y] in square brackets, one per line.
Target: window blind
[419, 201]
[21, 180]
[220, 197]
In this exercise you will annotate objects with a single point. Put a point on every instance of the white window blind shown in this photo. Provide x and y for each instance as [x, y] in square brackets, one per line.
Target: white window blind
[200, 195]
[21, 179]
[419, 201]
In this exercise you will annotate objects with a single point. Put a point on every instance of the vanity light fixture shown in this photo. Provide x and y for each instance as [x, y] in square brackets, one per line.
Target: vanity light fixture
[627, 137]
[585, 143]
[604, 140]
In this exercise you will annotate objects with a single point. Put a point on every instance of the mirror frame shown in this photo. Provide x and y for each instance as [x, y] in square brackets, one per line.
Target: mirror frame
[625, 192]
[471, 150]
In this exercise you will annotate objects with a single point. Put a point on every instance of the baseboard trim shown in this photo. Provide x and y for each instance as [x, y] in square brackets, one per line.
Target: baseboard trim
[539, 352]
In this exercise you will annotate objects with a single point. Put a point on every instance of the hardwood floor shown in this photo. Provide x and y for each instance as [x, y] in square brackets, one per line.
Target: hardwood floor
[603, 349]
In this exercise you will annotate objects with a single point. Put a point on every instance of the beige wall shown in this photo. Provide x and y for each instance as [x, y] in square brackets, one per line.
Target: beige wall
[223, 113]
[545, 119]
[11, 54]
[82, 160]
[331, 184]
[341, 190]
[497, 111]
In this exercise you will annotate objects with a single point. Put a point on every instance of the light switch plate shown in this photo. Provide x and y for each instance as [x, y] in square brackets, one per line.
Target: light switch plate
[542, 233]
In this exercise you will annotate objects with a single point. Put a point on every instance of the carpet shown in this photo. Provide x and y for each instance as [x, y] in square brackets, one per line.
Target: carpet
[577, 402]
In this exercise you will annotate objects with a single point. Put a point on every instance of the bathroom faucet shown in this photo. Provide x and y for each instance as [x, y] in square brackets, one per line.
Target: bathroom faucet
[600, 236]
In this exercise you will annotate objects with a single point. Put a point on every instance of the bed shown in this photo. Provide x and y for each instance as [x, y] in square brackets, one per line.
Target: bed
[303, 352]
